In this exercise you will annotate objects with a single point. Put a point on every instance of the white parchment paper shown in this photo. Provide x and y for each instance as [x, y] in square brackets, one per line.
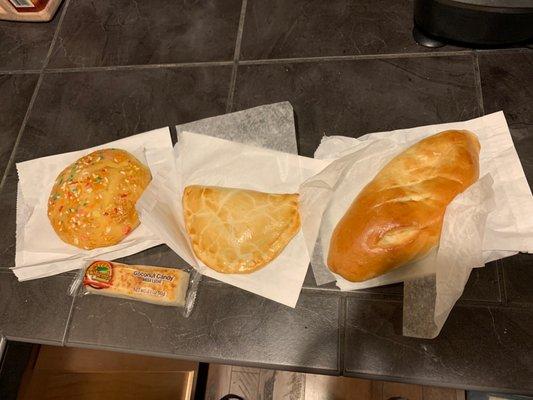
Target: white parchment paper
[39, 251]
[206, 160]
[490, 220]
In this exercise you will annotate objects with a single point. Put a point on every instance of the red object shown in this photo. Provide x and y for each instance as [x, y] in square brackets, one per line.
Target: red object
[28, 10]
[99, 275]
[38, 5]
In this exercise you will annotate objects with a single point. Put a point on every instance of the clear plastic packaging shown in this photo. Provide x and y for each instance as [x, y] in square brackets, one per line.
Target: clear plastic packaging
[172, 287]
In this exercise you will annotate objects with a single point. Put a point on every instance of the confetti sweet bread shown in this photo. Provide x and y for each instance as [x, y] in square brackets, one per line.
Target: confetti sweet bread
[92, 203]
[237, 231]
[397, 218]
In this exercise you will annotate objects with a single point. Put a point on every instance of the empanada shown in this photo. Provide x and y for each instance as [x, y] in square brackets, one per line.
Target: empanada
[237, 231]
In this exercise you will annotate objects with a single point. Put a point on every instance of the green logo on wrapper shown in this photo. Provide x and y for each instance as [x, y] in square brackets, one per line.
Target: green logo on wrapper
[99, 274]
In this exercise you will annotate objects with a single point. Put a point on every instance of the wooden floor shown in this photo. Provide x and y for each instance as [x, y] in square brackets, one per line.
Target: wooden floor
[264, 384]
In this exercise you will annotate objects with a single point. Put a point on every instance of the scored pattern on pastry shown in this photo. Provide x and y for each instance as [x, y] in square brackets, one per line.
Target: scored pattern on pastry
[237, 230]
[397, 218]
[92, 203]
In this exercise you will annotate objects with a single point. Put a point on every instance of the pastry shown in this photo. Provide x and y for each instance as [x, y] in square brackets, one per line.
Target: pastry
[237, 231]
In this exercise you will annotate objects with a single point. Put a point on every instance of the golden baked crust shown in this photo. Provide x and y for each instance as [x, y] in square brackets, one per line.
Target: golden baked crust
[92, 203]
[397, 218]
[237, 231]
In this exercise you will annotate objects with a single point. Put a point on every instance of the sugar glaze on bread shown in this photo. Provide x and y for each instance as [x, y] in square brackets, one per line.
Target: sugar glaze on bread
[92, 202]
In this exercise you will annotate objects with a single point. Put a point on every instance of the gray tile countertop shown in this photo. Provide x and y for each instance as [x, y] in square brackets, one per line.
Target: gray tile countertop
[99, 72]
[226, 324]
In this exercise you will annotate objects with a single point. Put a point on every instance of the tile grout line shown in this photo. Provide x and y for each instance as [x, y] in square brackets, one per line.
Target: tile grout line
[477, 80]
[236, 56]
[56, 34]
[20, 72]
[67, 324]
[361, 293]
[356, 57]
[495, 305]
[342, 332]
[257, 61]
[501, 283]
[522, 49]
[137, 67]
[11, 160]
[231, 91]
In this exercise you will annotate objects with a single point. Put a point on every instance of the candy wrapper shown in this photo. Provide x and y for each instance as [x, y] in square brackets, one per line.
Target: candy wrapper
[163, 286]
